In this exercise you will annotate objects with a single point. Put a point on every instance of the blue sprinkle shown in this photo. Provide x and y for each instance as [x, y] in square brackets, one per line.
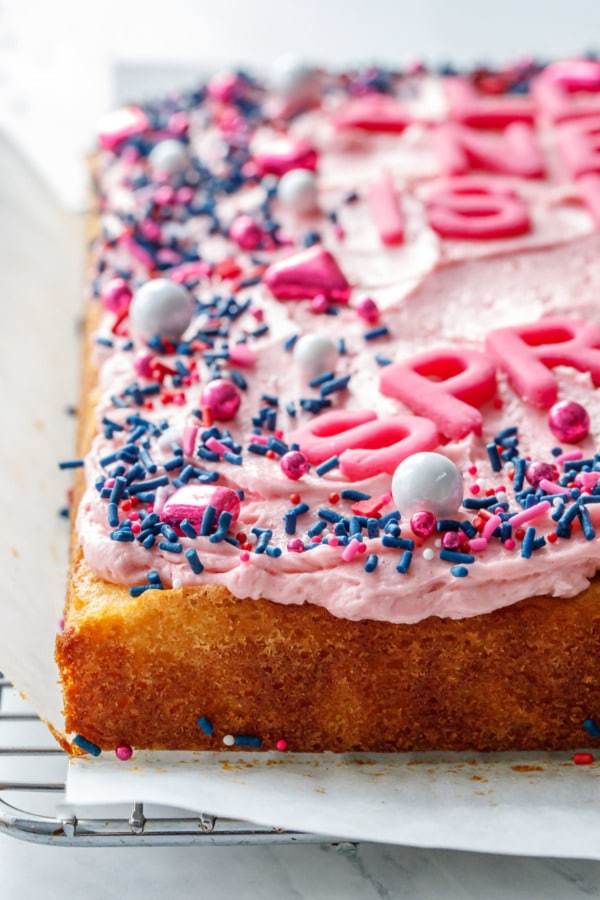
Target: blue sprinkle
[289, 343]
[355, 496]
[382, 360]
[139, 589]
[278, 446]
[484, 503]
[405, 561]
[206, 725]
[86, 745]
[373, 528]
[71, 464]
[371, 562]
[123, 536]
[448, 525]
[591, 728]
[247, 740]
[469, 529]
[527, 544]
[259, 449]
[397, 543]
[167, 532]
[586, 523]
[494, 457]
[341, 344]
[192, 558]
[321, 379]
[506, 433]
[154, 579]
[329, 464]
[329, 515]
[113, 515]
[269, 398]
[208, 520]
[380, 331]
[104, 342]
[273, 551]
[170, 546]
[149, 485]
[454, 556]
[290, 409]
[149, 542]
[459, 571]
[234, 458]
[238, 379]
[290, 523]
[317, 528]
[336, 384]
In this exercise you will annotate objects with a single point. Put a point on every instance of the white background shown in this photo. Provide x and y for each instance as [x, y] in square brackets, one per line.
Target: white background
[61, 63]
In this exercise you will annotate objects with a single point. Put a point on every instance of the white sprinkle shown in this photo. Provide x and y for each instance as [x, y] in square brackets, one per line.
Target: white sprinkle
[228, 740]
[428, 553]
[438, 542]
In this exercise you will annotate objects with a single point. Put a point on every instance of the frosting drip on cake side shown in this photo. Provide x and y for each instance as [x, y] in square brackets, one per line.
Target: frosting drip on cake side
[430, 292]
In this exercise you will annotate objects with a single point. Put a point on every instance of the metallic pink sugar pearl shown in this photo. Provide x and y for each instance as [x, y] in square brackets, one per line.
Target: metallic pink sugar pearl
[222, 398]
[423, 523]
[294, 464]
[123, 752]
[569, 422]
[451, 540]
[295, 546]
[368, 310]
[116, 295]
[536, 472]
[246, 232]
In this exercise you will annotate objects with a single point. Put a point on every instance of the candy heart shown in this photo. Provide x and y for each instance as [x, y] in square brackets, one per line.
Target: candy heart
[191, 500]
[307, 274]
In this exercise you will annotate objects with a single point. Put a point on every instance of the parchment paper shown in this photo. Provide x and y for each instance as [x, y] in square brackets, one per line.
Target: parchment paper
[521, 804]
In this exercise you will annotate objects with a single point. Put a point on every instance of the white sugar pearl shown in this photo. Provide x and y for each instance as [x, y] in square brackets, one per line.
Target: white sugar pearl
[427, 481]
[297, 190]
[290, 76]
[161, 307]
[428, 553]
[228, 740]
[169, 156]
[315, 354]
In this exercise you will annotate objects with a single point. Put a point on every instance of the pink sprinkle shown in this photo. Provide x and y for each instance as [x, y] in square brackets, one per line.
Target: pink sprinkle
[362, 548]
[188, 442]
[216, 446]
[124, 752]
[109, 482]
[351, 550]
[134, 516]
[244, 556]
[532, 513]
[489, 527]
[569, 455]
[510, 544]
[367, 309]
[550, 487]
[160, 498]
[472, 470]
[333, 541]
[478, 543]
[339, 231]
[242, 355]
[136, 527]
[319, 303]
[257, 312]
[475, 488]
[295, 546]
[281, 744]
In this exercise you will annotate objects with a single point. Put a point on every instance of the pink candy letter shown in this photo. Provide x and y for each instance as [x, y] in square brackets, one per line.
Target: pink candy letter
[476, 209]
[513, 152]
[365, 445]
[468, 107]
[464, 379]
[527, 352]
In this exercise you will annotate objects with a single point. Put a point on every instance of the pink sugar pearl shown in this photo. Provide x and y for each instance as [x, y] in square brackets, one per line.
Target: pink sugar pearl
[295, 546]
[294, 464]
[222, 398]
[536, 472]
[423, 523]
[451, 540]
[569, 422]
[368, 310]
[246, 232]
[123, 752]
[116, 295]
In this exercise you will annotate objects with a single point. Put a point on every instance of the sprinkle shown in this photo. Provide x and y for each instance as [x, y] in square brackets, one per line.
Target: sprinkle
[454, 556]
[289, 343]
[405, 561]
[335, 384]
[484, 503]
[123, 752]
[583, 759]
[371, 562]
[428, 553]
[459, 571]
[71, 464]
[397, 543]
[222, 527]
[478, 544]
[188, 529]
[329, 464]
[490, 526]
[494, 457]
[205, 725]
[321, 379]
[382, 360]
[170, 546]
[586, 523]
[533, 512]
[113, 515]
[281, 745]
[351, 550]
[380, 331]
[86, 745]
[591, 728]
[228, 740]
[192, 558]
[247, 740]
[208, 520]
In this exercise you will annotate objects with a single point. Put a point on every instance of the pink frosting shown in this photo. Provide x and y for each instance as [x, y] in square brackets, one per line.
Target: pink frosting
[431, 291]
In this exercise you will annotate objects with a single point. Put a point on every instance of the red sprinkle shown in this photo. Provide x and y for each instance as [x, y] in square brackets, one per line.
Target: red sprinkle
[583, 759]
[552, 537]
[334, 497]
[296, 498]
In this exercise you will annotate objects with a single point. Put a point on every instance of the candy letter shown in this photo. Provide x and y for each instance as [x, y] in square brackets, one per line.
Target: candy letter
[474, 209]
[467, 106]
[579, 145]
[514, 152]
[527, 352]
[386, 212]
[376, 113]
[464, 379]
[565, 90]
[365, 445]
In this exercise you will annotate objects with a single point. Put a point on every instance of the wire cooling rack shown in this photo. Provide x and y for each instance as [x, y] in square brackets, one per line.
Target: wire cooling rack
[33, 807]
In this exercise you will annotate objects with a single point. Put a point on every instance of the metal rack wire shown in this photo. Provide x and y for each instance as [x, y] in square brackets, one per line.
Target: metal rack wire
[33, 807]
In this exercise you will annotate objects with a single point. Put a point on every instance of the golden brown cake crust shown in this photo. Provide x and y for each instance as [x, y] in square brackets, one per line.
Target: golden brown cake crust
[142, 671]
